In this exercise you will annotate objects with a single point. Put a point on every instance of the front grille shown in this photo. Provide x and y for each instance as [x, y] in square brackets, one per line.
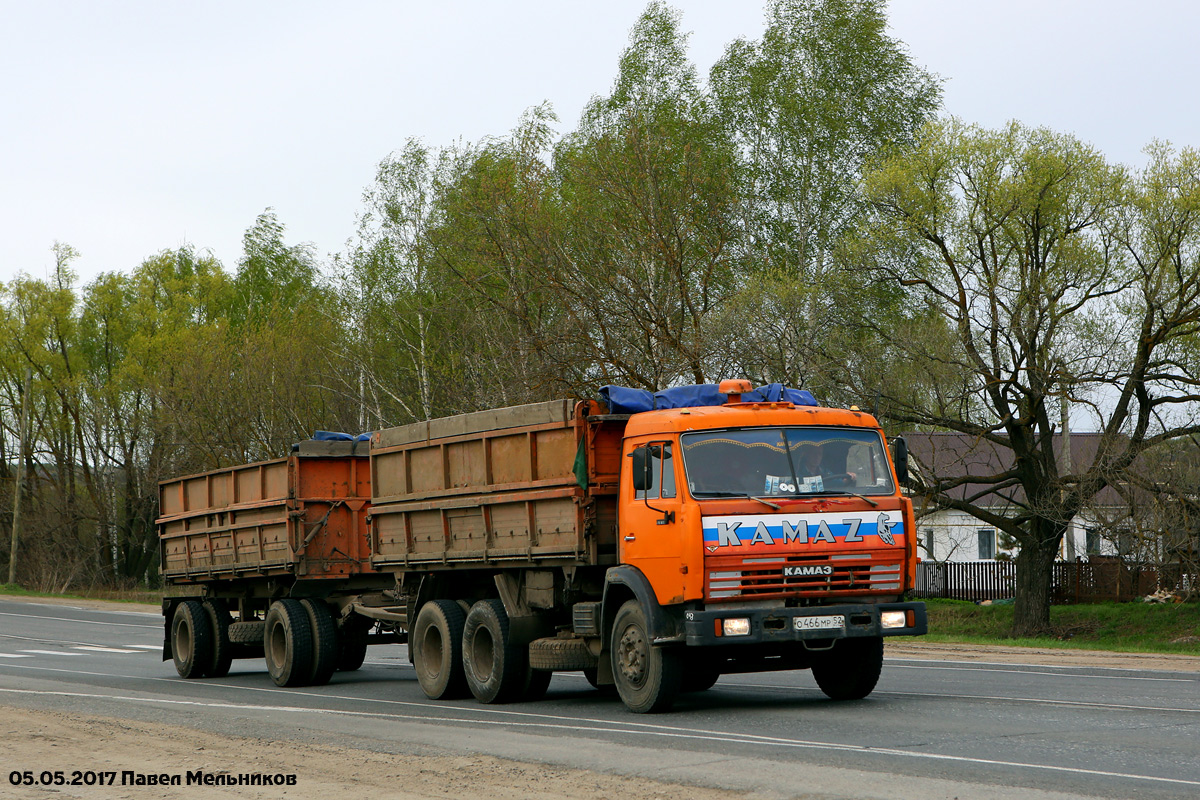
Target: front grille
[737, 577]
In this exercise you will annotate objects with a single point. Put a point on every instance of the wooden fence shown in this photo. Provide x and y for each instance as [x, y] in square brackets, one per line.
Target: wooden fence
[1099, 579]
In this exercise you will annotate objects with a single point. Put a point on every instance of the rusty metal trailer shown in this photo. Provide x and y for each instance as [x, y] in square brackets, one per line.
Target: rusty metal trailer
[252, 554]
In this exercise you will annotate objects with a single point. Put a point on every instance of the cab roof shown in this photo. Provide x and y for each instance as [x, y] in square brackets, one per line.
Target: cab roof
[744, 415]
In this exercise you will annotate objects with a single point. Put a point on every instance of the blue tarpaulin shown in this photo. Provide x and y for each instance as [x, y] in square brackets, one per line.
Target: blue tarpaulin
[622, 400]
[337, 436]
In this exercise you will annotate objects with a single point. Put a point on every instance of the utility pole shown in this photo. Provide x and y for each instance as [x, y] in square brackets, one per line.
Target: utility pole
[16, 520]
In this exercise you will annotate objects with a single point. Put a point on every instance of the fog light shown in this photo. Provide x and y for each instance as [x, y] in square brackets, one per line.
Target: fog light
[739, 626]
[892, 619]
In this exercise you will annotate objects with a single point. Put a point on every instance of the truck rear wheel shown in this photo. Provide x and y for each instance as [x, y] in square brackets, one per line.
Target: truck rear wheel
[288, 643]
[436, 646]
[851, 669]
[222, 649]
[497, 669]
[325, 641]
[537, 681]
[648, 678]
[191, 640]
[352, 643]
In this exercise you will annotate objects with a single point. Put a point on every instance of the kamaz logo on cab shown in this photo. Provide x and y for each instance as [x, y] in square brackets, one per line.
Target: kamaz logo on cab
[785, 531]
[795, 572]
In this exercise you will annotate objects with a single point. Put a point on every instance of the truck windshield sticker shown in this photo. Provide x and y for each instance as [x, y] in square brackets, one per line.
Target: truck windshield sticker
[782, 532]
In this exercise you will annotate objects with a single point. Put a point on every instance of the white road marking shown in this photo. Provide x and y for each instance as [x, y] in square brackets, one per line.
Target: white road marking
[52, 653]
[1071, 675]
[98, 649]
[585, 725]
[144, 646]
[80, 621]
[13, 655]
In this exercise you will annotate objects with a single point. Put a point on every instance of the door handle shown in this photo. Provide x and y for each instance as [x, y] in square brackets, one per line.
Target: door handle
[630, 537]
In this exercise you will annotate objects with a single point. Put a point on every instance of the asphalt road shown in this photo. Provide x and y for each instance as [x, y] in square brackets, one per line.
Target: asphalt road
[1002, 730]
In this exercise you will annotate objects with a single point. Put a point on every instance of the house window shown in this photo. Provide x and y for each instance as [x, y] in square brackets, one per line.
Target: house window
[987, 544]
[1091, 544]
[928, 535]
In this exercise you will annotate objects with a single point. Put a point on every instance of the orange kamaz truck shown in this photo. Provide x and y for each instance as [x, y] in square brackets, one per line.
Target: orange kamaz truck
[653, 550]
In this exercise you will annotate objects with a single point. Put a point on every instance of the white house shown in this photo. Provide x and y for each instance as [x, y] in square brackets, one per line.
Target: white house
[951, 535]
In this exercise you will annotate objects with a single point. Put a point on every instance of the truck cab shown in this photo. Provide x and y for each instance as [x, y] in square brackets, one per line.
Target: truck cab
[768, 533]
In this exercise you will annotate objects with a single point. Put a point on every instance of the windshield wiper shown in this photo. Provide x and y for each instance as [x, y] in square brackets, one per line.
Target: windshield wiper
[850, 494]
[764, 501]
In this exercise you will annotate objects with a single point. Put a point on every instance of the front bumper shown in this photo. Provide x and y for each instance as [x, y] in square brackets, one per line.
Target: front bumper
[771, 625]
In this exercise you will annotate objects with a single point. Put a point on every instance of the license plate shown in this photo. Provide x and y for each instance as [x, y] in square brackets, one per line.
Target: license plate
[834, 621]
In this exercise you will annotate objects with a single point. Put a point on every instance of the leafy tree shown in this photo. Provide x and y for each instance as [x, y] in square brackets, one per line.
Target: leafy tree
[818, 97]
[1054, 274]
[647, 183]
[272, 276]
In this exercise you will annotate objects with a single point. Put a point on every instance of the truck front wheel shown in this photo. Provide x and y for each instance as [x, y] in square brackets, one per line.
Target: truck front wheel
[648, 678]
[288, 642]
[851, 669]
[191, 640]
[436, 645]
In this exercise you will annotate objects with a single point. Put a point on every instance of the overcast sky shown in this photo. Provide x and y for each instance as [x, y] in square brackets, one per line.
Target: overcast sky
[133, 126]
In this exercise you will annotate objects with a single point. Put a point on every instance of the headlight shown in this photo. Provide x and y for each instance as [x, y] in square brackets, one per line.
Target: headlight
[893, 619]
[738, 626]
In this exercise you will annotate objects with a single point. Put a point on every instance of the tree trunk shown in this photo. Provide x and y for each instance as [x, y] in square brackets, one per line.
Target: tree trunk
[1035, 565]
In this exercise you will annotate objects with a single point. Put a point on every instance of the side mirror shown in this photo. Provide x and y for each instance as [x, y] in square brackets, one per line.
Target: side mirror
[900, 458]
[641, 469]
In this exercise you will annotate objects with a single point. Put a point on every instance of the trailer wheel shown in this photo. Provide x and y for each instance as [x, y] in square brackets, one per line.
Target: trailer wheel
[497, 669]
[352, 641]
[191, 640]
[222, 648]
[288, 643]
[436, 647]
[851, 669]
[647, 677]
[325, 641]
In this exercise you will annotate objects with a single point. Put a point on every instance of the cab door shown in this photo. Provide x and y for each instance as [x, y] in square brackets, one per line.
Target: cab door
[650, 530]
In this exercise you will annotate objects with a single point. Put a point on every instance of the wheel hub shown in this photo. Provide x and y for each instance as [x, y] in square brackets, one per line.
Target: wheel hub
[633, 656]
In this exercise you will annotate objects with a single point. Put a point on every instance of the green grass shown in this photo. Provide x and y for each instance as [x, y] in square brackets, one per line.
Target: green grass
[115, 595]
[1123, 627]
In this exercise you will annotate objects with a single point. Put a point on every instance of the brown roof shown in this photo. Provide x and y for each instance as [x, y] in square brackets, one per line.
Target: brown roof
[944, 456]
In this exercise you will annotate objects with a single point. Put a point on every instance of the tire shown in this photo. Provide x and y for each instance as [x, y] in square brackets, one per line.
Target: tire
[325, 641]
[436, 648]
[352, 643]
[851, 669]
[699, 678]
[288, 643]
[248, 632]
[537, 681]
[497, 669]
[648, 678]
[222, 655]
[565, 655]
[191, 640]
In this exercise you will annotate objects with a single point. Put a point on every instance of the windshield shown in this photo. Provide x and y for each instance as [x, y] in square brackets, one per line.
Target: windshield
[785, 461]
